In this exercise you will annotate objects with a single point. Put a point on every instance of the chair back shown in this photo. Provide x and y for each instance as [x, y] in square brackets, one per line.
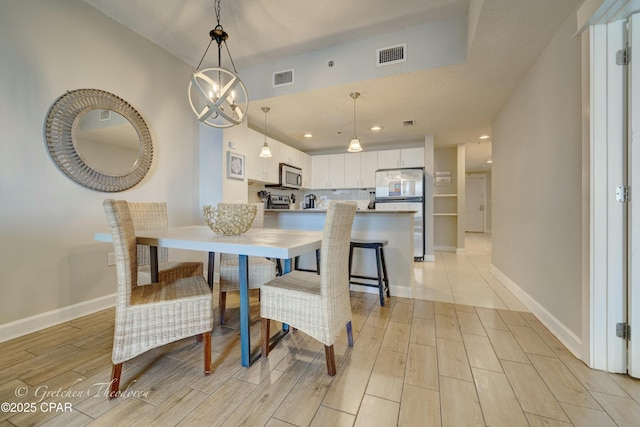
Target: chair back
[124, 243]
[334, 261]
[149, 216]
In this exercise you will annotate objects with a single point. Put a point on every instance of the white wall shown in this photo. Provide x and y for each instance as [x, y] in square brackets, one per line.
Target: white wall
[537, 193]
[48, 259]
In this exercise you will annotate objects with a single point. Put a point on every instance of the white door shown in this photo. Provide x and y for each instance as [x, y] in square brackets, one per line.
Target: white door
[475, 191]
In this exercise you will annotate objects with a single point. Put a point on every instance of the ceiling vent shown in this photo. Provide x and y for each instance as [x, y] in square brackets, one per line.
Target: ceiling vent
[283, 78]
[408, 123]
[105, 115]
[391, 55]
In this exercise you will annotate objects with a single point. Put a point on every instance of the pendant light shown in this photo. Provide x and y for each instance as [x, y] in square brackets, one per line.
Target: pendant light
[217, 96]
[354, 145]
[266, 151]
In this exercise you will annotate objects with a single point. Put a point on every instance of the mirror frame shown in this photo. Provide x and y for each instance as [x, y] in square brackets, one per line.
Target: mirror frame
[59, 127]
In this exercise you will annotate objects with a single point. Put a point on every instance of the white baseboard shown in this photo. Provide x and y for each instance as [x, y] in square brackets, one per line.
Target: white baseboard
[445, 248]
[461, 251]
[44, 320]
[557, 328]
[430, 258]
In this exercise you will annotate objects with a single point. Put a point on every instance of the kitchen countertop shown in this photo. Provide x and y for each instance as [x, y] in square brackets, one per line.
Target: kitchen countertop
[359, 211]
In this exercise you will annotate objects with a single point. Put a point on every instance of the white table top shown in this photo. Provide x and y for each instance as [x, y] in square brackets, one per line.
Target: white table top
[265, 242]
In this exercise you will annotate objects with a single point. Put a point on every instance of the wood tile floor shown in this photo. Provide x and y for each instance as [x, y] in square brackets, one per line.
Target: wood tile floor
[414, 363]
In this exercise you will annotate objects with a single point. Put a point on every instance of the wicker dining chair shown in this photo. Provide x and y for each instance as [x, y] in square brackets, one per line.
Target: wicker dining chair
[318, 305]
[153, 216]
[261, 270]
[152, 315]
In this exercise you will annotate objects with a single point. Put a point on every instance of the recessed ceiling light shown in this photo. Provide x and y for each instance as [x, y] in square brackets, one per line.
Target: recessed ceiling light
[308, 135]
[488, 161]
[485, 136]
[376, 128]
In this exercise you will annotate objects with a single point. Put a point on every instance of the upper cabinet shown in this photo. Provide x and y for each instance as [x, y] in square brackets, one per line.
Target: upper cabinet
[307, 171]
[291, 156]
[403, 158]
[359, 169]
[327, 171]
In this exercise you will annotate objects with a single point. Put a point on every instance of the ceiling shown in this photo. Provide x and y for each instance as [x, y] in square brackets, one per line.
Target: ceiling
[455, 103]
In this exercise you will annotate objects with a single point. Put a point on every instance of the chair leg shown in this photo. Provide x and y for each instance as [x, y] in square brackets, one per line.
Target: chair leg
[384, 272]
[206, 344]
[116, 371]
[349, 334]
[380, 285]
[265, 337]
[331, 360]
[222, 304]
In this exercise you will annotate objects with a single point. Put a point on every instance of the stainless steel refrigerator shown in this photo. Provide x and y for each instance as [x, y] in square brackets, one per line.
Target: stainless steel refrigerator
[403, 189]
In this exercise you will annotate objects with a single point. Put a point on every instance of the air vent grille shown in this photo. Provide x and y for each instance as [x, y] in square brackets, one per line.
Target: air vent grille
[391, 55]
[283, 78]
[408, 123]
[105, 115]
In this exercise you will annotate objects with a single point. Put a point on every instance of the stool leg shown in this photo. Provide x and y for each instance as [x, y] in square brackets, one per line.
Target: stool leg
[318, 261]
[350, 259]
[379, 268]
[384, 271]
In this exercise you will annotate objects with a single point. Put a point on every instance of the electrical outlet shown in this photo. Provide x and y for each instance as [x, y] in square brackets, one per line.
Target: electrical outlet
[111, 258]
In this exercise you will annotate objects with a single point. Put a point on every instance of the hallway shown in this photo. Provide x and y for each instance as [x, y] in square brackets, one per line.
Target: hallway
[464, 279]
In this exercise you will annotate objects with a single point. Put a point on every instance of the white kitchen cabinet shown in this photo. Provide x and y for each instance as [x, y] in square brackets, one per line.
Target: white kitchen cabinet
[359, 169]
[307, 171]
[291, 156]
[368, 167]
[327, 171]
[262, 169]
[352, 170]
[402, 158]
[336, 171]
[319, 171]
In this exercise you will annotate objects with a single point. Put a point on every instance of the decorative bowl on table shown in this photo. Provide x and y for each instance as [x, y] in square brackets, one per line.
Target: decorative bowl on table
[229, 219]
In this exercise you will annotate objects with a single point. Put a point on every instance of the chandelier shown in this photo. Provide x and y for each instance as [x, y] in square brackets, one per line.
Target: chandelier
[266, 151]
[217, 95]
[354, 145]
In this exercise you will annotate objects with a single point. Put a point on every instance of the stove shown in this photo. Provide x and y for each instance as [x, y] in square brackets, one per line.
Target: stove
[279, 202]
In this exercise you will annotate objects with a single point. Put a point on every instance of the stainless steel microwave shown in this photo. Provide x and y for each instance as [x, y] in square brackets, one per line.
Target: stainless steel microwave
[290, 176]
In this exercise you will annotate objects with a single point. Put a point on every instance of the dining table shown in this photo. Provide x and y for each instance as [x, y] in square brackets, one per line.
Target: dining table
[263, 242]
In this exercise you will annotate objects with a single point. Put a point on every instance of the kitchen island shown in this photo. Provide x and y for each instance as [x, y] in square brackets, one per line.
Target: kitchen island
[394, 226]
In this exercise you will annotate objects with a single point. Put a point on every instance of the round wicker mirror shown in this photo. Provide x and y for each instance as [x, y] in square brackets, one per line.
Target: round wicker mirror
[98, 140]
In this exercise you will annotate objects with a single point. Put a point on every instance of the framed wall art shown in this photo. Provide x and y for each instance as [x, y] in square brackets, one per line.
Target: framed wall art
[235, 165]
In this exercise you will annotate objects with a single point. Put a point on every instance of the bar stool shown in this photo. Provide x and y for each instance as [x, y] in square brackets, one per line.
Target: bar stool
[381, 266]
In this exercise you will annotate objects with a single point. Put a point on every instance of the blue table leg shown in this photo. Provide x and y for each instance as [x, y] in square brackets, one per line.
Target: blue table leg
[210, 268]
[286, 268]
[245, 335]
[153, 263]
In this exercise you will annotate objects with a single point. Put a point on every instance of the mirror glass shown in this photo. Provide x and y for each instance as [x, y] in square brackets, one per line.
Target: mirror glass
[98, 140]
[107, 142]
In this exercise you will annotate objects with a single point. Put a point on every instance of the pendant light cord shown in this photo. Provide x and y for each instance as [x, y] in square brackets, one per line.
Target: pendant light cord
[217, 12]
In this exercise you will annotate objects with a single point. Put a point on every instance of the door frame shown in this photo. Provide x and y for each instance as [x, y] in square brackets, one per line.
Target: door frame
[483, 179]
